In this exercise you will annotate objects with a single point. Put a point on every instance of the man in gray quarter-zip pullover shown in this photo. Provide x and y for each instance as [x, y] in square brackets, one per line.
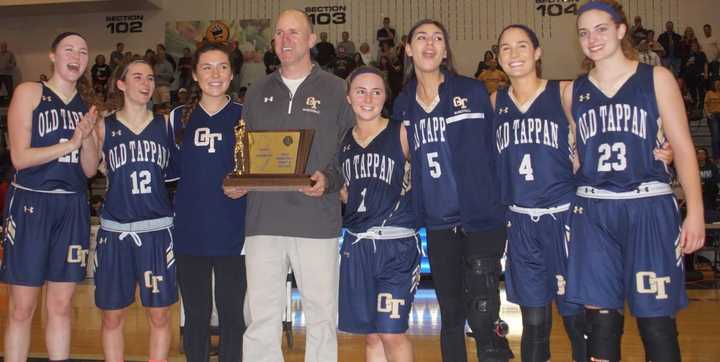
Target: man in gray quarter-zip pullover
[296, 229]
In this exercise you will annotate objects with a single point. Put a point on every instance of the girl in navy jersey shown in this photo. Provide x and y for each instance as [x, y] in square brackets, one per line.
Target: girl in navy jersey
[380, 257]
[135, 241]
[626, 240]
[455, 191]
[534, 148]
[47, 226]
[210, 224]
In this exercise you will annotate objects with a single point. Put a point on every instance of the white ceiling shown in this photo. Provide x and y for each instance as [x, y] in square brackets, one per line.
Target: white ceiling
[18, 8]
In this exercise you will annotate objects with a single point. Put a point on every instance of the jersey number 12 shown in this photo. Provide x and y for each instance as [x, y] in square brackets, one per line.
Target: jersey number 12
[141, 182]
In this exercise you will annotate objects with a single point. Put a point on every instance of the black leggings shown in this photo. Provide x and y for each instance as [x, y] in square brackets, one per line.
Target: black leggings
[194, 274]
[447, 251]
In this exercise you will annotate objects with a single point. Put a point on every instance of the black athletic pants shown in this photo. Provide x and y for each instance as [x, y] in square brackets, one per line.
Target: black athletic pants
[447, 250]
[194, 275]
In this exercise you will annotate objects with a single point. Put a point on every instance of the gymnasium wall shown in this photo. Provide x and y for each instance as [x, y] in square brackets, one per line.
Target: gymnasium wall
[473, 25]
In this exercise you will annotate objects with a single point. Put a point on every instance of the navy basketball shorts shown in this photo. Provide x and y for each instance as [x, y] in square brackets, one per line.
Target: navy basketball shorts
[45, 237]
[536, 268]
[125, 259]
[627, 249]
[378, 279]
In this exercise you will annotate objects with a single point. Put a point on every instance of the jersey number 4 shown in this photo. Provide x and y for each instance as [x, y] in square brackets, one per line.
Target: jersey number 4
[526, 168]
[141, 182]
[606, 153]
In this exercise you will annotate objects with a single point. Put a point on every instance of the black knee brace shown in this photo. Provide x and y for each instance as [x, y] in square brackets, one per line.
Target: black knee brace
[576, 329]
[659, 336]
[482, 279]
[535, 342]
[606, 329]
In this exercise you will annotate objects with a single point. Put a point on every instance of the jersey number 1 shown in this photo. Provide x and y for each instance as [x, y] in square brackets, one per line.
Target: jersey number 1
[141, 182]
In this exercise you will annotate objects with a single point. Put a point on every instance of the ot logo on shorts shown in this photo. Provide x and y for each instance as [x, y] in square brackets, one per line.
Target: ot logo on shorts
[77, 255]
[560, 284]
[203, 137]
[649, 283]
[386, 304]
[152, 281]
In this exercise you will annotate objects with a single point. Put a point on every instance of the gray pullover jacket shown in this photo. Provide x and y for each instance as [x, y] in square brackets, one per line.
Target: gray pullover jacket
[320, 104]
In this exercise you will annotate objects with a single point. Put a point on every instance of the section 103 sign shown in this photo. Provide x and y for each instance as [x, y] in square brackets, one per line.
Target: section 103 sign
[324, 15]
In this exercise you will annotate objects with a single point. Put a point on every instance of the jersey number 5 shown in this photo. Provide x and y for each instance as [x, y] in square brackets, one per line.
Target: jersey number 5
[141, 182]
[434, 166]
[606, 151]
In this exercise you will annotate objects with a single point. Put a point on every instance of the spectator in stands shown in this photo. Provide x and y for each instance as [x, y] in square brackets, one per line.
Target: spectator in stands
[712, 113]
[364, 56]
[183, 96]
[386, 34]
[324, 51]
[637, 31]
[709, 45]
[400, 48]
[116, 57]
[686, 42]
[695, 74]
[237, 59]
[185, 68]
[348, 44]
[709, 178]
[163, 78]
[150, 57]
[271, 60]
[654, 45]
[7, 69]
[670, 41]
[646, 55]
[161, 48]
[100, 73]
[493, 77]
[386, 51]
[482, 65]
[344, 64]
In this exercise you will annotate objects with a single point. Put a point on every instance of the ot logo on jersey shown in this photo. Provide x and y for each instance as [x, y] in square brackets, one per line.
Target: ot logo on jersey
[649, 283]
[203, 137]
[77, 255]
[460, 102]
[152, 281]
[386, 304]
[560, 284]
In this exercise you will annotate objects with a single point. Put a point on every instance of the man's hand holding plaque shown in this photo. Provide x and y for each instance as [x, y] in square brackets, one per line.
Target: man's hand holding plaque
[271, 161]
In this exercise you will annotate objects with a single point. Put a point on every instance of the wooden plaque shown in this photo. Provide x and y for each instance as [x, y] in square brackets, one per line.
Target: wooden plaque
[270, 160]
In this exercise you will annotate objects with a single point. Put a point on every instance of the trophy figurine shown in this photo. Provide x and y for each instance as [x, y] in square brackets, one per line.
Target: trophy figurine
[240, 137]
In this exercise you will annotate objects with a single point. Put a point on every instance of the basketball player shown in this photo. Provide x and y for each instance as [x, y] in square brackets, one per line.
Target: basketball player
[534, 147]
[626, 241]
[455, 191]
[380, 256]
[134, 243]
[47, 217]
[210, 225]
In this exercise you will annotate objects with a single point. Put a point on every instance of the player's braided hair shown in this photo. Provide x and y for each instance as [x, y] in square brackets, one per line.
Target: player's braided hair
[195, 91]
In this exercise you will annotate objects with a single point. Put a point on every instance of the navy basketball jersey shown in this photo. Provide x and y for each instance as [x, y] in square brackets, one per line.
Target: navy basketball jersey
[534, 159]
[137, 166]
[53, 122]
[207, 222]
[432, 167]
[616, 135]
[375, 176]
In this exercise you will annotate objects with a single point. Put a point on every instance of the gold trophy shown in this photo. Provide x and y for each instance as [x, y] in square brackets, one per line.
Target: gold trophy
[270, 160]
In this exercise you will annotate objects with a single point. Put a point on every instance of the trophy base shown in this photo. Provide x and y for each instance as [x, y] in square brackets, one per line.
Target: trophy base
[268, 182]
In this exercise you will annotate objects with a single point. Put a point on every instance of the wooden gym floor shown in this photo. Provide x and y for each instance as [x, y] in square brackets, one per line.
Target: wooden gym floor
[698, 325]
